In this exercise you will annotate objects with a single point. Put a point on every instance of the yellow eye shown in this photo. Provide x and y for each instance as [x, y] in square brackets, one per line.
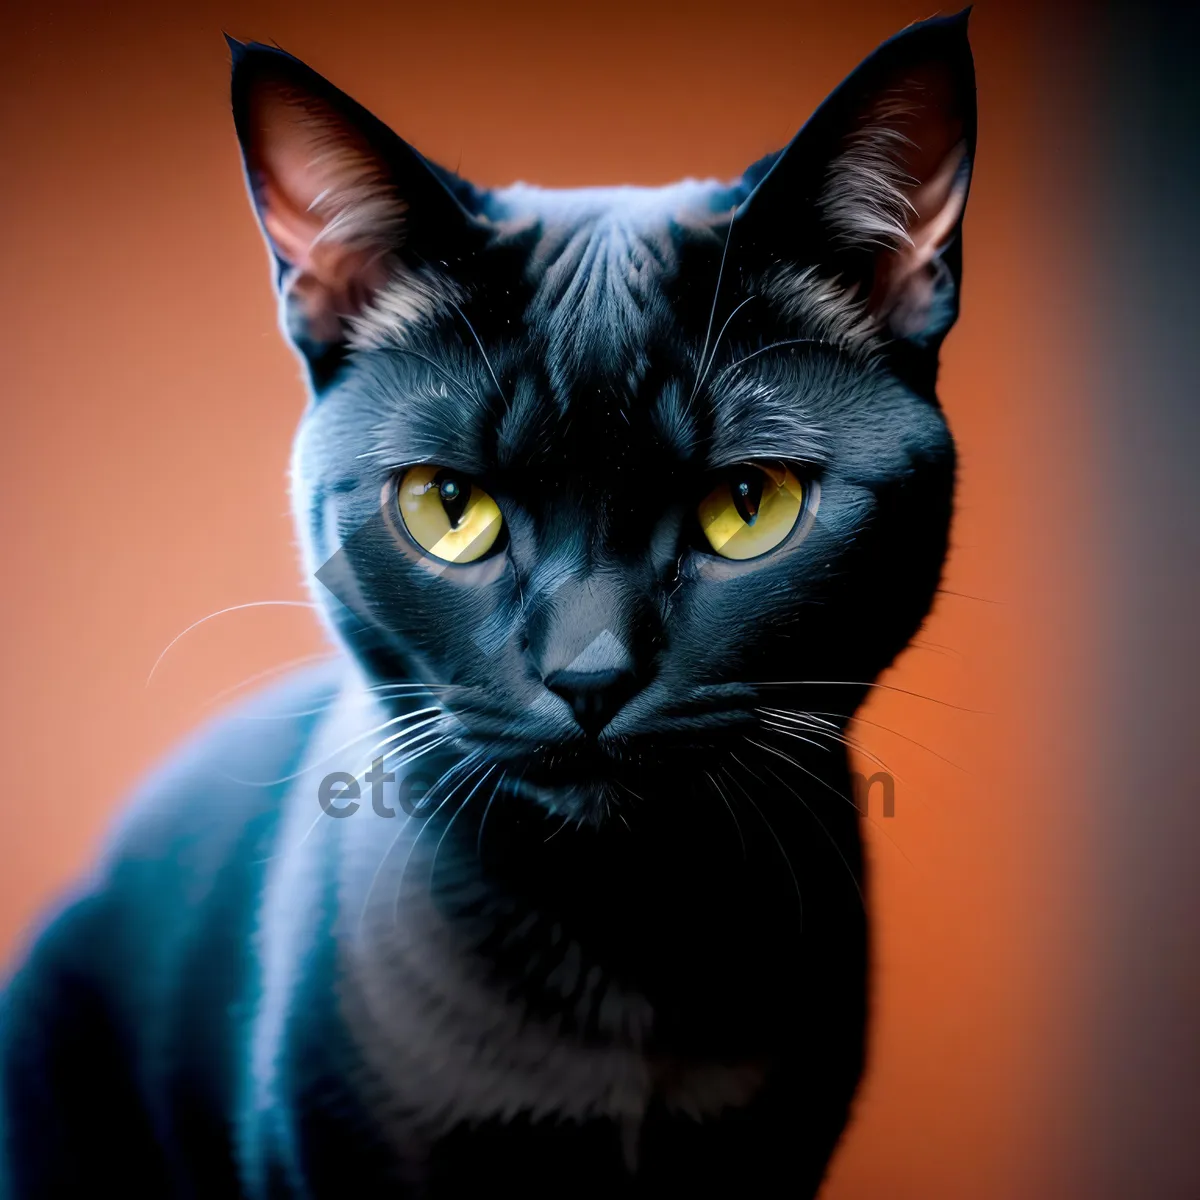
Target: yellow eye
[448, 515]
[751, 510]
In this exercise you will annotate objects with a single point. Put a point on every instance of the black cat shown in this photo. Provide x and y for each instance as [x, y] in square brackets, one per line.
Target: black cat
[618, 501]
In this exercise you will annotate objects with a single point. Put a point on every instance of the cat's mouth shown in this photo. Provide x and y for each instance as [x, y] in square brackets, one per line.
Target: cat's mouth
[593, 779]
[568, 766]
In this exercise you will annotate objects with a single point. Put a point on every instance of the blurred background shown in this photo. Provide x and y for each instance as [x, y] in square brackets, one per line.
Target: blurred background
[1036, 896]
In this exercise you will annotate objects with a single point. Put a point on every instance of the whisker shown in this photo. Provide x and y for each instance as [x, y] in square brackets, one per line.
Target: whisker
[887, 687]
[412, 848]
[829, 787]
[763, 349]
[417, 739]
[220, 613]
[736, 823]
[479, 783]
[824, 829]
[905, 737]
[277, 669]
[635, 794]
[775, 724]
[428, 748]
[716, 296]
[482, 351]
[852, 744]
[317, 819]
[403, 733]
[412, 686]
[341, 749]
[717, 343]
[779, 843]
[565, 822]
[833, 734]
[514, 787]
[404, 691]
[487, 809]
[936, 648]
[963, 596]
[399, 834]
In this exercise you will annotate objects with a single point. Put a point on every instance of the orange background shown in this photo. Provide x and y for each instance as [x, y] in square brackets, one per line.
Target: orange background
[149, 404]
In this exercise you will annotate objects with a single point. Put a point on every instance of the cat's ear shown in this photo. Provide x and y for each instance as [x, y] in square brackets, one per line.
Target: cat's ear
[349, 210]
[872, 190]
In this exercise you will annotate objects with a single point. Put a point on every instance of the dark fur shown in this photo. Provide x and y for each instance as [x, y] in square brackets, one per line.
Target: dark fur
[127, 1031]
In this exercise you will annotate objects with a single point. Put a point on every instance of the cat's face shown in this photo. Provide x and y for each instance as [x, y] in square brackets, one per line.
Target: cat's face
[607, 468]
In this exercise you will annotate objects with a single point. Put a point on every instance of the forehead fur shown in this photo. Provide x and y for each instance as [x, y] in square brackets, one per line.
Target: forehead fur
[595, 278]
[598, 267]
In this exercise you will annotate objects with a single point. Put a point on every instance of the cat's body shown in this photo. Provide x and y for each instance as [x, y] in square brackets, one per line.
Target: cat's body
[226, 1010]
[621, 949]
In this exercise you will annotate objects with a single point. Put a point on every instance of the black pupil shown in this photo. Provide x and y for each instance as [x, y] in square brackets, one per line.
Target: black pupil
[454, 493]
[746, 487]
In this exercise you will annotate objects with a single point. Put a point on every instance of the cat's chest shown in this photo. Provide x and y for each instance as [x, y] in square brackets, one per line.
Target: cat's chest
[443, 1045]
[438, 1041]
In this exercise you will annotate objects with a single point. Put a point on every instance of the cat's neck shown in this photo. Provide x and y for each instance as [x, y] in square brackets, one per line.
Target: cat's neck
[684, 914]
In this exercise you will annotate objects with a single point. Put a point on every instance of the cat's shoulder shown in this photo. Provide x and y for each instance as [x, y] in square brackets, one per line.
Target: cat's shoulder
[143, 976]
[230, 772]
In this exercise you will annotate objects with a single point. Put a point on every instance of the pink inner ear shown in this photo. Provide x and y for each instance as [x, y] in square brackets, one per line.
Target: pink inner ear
[903, 291]
[292, 231]
[327, 208]
[897, 189]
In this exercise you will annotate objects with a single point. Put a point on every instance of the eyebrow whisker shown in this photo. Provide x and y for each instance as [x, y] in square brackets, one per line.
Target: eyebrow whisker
[717, 343]
[716, 296]
[763, 349]
[486, 361]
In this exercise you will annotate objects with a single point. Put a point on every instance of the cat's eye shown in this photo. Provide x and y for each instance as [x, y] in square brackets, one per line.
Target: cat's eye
[751, 510]
[447, 514]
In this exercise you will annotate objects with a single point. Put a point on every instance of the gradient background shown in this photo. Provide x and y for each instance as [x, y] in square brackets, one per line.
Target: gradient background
[1036, 903]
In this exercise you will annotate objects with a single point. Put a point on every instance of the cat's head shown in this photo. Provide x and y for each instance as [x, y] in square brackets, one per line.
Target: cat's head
[614, 470]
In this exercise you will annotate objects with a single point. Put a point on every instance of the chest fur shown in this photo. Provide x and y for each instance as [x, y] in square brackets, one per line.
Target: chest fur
[445, 1045]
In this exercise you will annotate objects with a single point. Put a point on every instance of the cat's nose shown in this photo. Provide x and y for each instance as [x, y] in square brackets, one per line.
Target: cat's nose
[594, 696]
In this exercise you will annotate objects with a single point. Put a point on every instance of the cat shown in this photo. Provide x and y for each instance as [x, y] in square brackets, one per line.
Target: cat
[616, 501]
